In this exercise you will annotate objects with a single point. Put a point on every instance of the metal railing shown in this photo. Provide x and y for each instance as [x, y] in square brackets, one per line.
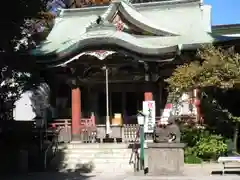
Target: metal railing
[90, 132]
[130, 133]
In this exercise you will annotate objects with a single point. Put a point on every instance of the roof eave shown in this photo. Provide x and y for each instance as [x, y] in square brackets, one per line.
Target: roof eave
[226, 29]
[120, 42]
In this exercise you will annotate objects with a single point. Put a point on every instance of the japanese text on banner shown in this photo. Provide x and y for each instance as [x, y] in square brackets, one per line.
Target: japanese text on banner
[150, 111]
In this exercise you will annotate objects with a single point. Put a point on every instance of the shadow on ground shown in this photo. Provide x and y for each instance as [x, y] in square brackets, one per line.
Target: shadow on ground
[226, 173]
[21, 160]
[47, 176]
[60, 163]
[56, 169]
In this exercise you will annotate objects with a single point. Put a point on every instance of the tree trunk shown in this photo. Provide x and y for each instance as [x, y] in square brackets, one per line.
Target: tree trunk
[235, 136]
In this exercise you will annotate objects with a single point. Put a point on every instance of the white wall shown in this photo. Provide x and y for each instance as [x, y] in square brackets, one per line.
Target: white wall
[207, 17]
[23, 110]
[32, 103]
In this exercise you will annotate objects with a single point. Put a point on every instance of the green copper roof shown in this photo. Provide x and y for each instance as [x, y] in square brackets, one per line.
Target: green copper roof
[229, 29]
[98, 38]
[76, 30]
[147, 42]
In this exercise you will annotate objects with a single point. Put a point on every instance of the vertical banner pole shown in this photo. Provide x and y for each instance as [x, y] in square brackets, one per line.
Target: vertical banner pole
[108, 128]
[142, 147]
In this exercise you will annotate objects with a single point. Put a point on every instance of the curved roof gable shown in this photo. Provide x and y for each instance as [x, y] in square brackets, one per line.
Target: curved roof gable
[97, 37]
[135, 18]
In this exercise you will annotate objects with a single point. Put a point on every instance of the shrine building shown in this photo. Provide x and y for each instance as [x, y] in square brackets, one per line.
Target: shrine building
[133, 46]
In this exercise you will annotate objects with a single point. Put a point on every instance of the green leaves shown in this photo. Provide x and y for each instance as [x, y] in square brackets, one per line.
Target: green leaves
[12, 21]
[211, 146]
[219, 68]
[202, 144]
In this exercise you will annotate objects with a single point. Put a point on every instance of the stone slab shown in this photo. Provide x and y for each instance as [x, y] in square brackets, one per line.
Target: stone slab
[165, 159]
[165, 145]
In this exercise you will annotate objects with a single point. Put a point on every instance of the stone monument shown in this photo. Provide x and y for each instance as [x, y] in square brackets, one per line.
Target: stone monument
[165, 156]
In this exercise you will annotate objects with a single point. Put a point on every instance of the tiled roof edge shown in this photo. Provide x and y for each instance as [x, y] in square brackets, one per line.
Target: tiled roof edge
[66, 12]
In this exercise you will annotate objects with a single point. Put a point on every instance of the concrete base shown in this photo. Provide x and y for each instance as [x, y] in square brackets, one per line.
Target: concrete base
[165, 159]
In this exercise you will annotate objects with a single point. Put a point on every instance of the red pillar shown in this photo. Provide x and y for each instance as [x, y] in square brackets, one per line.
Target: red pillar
[197, 104]
[148, 96]
[76, 113]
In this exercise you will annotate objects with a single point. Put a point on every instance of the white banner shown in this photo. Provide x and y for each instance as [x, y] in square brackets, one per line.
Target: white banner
[149, 109]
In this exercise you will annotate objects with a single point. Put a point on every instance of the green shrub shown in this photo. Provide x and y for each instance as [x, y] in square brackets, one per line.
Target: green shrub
[189, 151]
[192, 159]
[210, 147]
[201, 144]
[190, 135]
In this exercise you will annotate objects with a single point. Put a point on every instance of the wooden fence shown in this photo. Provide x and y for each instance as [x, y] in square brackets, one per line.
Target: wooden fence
[90, 133]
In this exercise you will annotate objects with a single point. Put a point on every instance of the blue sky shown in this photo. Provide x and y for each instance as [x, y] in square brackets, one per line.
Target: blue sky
[225, 11]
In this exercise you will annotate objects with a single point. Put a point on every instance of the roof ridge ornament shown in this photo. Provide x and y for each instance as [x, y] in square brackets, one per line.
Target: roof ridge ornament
[134, 17]
[100, 24]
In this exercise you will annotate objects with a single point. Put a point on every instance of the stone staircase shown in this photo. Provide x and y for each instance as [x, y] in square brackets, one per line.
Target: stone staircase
[99, 158]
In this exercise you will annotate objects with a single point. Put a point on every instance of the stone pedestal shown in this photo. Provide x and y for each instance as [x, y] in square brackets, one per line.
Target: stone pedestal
[165, 159]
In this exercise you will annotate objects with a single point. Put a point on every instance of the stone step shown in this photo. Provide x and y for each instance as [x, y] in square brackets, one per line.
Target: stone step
[80, 145]
[96, 154]
[100, 157]
[73, 156]
[75, 153]
[90, 157]
[102, 151]
[100, 167]
[86, 160]
[95, 164]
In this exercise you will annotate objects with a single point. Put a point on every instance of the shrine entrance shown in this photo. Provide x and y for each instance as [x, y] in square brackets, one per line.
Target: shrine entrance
[124, 103]
[126, 82]
[117, 94]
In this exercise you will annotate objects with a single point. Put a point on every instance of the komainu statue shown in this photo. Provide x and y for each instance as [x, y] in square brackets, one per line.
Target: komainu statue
[169, 133]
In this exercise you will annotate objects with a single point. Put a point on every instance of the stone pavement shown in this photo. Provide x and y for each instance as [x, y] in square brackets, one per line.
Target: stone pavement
[57, 176]
[191, 172]
[185, 178]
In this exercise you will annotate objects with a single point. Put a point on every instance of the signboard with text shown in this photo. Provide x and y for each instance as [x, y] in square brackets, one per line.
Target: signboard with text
[149, 109]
